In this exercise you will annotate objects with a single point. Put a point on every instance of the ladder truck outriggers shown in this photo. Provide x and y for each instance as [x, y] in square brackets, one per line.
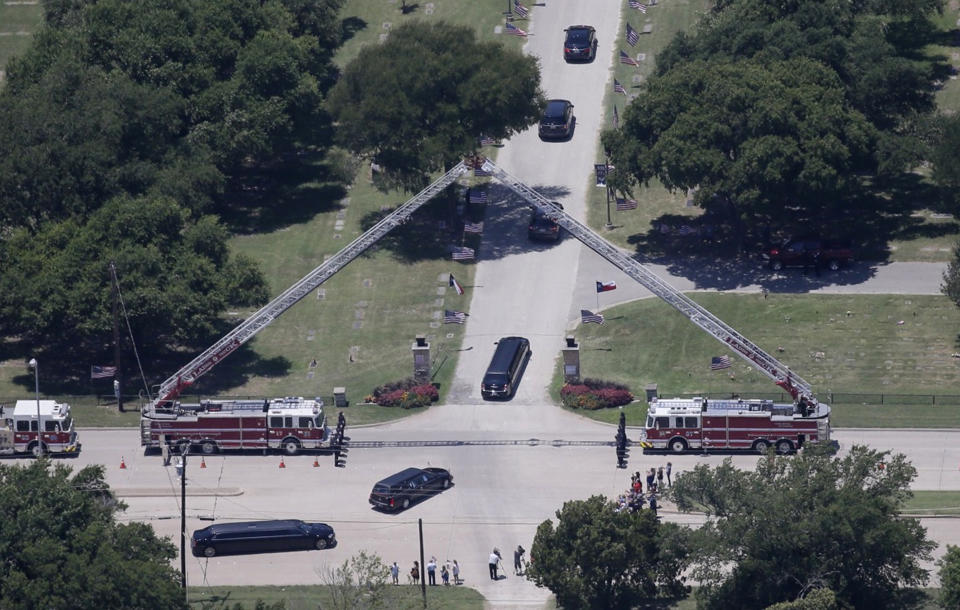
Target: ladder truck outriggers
[679, 424]
[290, 424]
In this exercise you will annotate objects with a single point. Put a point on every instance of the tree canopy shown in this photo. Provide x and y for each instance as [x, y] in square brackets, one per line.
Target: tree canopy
[122, 128]
[803, 522]
[63, 548]
[597, 557]
[790, 105]
[419, 101]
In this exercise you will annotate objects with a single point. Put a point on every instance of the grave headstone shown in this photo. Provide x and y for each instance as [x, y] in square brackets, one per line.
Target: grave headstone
[434, 325]
[441, 290]
[357, 325]
[648, 28]
[368, 283]
[438, 302]
[436, 315]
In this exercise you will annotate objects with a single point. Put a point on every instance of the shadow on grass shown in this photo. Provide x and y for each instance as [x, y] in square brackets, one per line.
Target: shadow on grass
[349, 28]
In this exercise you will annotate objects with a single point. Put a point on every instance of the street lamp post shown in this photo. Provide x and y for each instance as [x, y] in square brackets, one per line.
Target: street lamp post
[36, 387]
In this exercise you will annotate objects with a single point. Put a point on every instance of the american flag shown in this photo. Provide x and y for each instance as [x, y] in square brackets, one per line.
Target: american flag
[720, 362]
[473, 227]
[455, 284]
[638, 5]
[626, 204]
[478, 196]
[616, 118]
[487, 141]
[514, 30]
[618, 88]
[588, 317]
[520, 9]
[462, 253]
[102, 372]
[632, 36]
[480, 172]
[626, 59]
[454, 317]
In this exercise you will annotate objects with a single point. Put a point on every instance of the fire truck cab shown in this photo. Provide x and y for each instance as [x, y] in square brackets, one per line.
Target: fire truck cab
[679, 424]
[18, 432]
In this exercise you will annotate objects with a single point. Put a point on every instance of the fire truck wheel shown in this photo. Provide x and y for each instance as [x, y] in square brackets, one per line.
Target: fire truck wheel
[784, 447]
[833, 265]
[321, 544]
[776, 265]
[761, 446]
[209, 551]
[291, 447]
[208, 447]
[37, 449]
[678, 445]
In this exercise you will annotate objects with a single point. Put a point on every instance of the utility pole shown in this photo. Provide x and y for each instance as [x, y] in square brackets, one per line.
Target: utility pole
[118, 376]
[183, 519]
[423, 566]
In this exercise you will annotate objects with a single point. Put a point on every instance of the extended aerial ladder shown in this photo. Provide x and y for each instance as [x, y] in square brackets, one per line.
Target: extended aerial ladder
[171, 388]
[798, 388]
[781, 375]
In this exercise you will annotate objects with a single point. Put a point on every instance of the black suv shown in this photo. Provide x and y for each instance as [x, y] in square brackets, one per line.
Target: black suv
[399, 491]
[541, 227]
[581, 43]
[557, 120]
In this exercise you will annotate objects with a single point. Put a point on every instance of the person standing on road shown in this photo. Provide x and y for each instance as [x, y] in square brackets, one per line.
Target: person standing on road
[518, 560]
[660, 479]
[456, 572]
[432, 571]
[395, 573]
[415, 573]
[669, 468]
[494, 560]
[445, 575]
[650, 476]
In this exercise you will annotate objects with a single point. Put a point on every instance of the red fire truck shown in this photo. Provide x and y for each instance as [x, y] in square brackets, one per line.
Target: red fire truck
[679, 424]
[290, 424]
[19, 431]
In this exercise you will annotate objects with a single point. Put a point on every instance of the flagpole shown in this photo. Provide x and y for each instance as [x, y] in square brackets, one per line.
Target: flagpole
[606, 160]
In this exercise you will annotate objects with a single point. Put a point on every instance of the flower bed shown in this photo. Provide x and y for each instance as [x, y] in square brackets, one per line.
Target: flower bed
[595, 394]
[406, 394]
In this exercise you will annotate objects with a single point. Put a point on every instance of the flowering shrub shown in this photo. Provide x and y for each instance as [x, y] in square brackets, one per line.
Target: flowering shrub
[405, 394]
[595, 394]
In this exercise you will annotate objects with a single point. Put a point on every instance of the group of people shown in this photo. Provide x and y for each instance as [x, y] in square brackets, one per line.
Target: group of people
[450, 569]
[447, 570]
[634, 499]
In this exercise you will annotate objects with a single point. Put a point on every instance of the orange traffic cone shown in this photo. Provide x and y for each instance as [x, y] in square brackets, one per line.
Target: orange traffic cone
[282, 465]
[203, 462]
[123, 465]
[316, 464]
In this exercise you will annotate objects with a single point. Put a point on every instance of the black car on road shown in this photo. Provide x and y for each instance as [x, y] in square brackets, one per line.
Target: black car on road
[400, 490]
[541, 227]
[276, 536]
[580, 44]
[557, 120]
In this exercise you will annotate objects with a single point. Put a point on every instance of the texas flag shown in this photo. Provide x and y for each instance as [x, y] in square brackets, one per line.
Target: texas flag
[455, 284]
[606, 286]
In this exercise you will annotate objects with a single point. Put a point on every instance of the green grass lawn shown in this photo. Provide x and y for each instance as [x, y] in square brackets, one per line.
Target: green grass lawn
[310, 597]
[934, 503]
[17, 23]
[648, 342]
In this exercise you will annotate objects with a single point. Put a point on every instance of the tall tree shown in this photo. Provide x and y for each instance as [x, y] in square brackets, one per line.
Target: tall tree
[597, 557]
[803, 522]
[176, 278]
[949, 574]
[420, 100]
[63, 547]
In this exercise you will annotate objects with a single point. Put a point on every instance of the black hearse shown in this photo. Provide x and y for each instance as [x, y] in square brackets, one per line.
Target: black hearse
[505, 367]
[399, 491]
[274, 536]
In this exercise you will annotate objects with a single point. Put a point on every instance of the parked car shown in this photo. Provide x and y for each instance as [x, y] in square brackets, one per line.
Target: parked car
[580, 44]
[400, 490]
[557, 120]
[810, 252]
[541, 227]
[503, 373]
[244, 537]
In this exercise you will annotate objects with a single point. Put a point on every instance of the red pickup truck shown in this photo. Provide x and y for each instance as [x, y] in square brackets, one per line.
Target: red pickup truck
[810, 252]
